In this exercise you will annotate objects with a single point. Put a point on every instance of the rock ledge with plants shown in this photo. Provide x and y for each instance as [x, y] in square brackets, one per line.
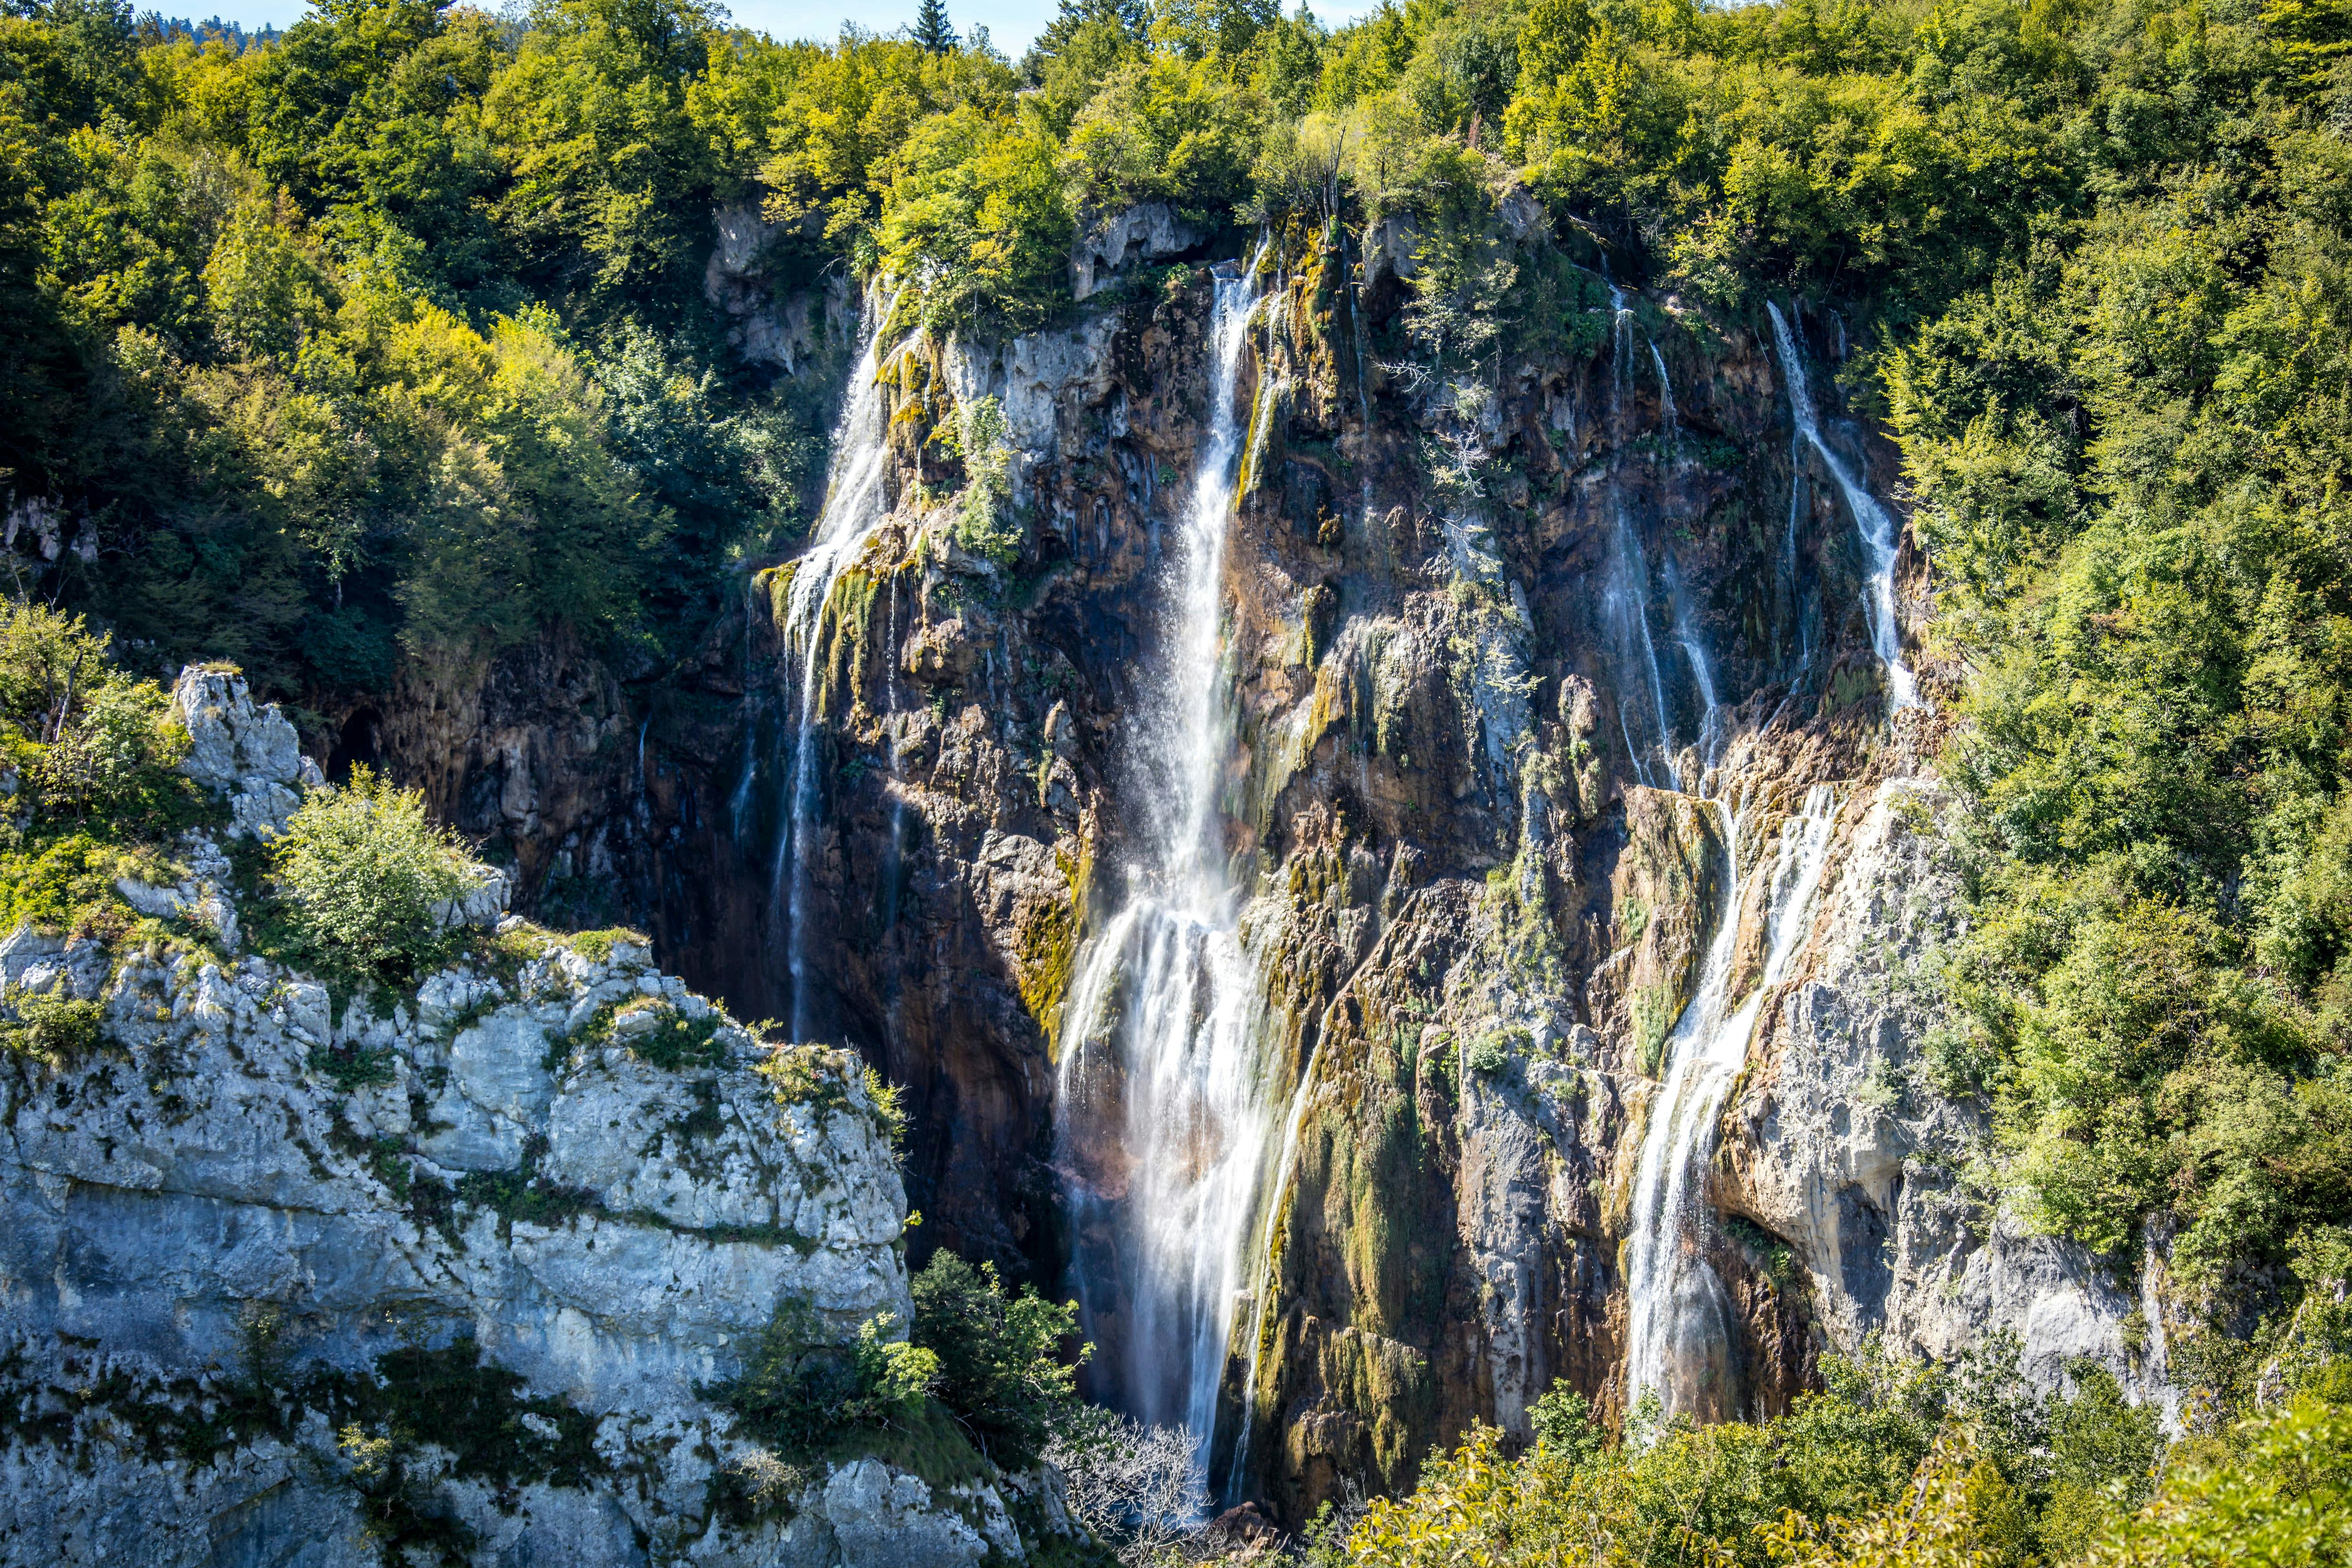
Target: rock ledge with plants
[347, 1209]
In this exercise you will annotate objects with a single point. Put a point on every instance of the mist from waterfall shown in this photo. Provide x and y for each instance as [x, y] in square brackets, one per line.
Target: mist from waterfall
[854, 506]
[1678, 1315]
[1880, 538]
[1162, 1115]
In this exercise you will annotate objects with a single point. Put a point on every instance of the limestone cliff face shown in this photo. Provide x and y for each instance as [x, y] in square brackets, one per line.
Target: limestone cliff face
[1514, 643]
[279, 1286]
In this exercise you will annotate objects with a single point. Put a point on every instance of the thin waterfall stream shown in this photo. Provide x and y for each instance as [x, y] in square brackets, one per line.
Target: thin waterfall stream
[1163, 1117]
[1880, 538]
[1678, 1314]
[1679, 1311]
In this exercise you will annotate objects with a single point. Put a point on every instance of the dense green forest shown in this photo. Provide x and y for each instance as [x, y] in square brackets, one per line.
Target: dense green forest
[383, 344]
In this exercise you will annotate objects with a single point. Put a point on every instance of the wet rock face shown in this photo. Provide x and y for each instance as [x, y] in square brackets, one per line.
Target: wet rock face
[1511, 650]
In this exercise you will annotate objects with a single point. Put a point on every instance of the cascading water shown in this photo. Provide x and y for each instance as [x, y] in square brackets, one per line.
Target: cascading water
[853, 511]
[1678, 1314]
[1626, 594]
[1879, 538]
[1162, 1115]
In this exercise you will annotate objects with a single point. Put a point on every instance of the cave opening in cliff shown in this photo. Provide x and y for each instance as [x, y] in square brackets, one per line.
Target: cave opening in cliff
[359, 744]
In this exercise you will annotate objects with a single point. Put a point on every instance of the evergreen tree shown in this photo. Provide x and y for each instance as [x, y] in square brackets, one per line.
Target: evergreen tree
[932, 29]
[1132, 16]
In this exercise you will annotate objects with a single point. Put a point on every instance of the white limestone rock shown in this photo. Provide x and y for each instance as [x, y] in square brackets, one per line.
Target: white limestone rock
[1841, 1145]
[234, 1150]
[1106, 246]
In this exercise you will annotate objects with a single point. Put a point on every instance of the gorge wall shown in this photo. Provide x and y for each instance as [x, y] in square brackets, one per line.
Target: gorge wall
[1539, 664]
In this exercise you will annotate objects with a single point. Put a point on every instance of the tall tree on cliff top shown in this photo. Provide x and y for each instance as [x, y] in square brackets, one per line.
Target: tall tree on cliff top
[932, 29]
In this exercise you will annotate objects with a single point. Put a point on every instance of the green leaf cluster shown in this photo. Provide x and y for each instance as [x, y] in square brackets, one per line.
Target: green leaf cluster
[367, 877]
[987, 1365]
[2013, 1479]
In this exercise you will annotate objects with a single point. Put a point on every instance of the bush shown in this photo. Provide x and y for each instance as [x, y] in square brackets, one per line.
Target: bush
[366, 874]
[2279, 1492]
[986, 525]
[1134, 1486]
[53, 1028]
[804, 1394]
[1000, 1369]
[93, 746]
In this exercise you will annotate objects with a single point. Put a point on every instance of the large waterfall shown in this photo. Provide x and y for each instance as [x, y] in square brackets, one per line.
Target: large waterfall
[854, 506]
[1164, 1116]
[1880, 538]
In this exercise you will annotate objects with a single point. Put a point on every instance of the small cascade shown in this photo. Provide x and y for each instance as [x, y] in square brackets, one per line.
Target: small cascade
[1667, 415]
[854, 509]
[1789, 550]
[1678, 1314]
[1626, 594]
[1879, 537]
[1162, 1120]
[1694, 646]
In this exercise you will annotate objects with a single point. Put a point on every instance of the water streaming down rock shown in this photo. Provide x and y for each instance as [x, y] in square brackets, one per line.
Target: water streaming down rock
[1678, 1315]
[1625, 591]
[1880, 538]
[1162, 1118]
[854, 505]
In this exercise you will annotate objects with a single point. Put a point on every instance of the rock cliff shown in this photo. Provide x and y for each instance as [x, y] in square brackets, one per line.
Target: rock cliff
[1532, 660]
[292, 1279]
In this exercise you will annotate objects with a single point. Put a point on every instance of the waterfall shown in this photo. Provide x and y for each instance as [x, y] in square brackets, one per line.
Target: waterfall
[852, 509]
[1879, 538]
[1666, 415]
[1625, 593]
[1678, 1314]
[1162, 1118]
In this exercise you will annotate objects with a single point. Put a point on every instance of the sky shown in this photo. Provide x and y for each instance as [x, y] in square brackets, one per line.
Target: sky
[1011, 23]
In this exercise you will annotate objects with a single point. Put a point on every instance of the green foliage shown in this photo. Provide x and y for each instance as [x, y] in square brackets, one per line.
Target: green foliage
[2278, 1491]
[49, 1026]
[366, 874]
[978, 1380]
[984, 524]
[302, 359]
[2125, 442]
[90, 747]
[666, 1038]
[999, 1371]
[1893, 1465]
[1171, 130]
[806, 1394]
[975, 215]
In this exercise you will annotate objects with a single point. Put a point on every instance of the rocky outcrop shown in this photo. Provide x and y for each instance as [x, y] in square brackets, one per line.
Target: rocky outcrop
[292, 1277]
[1848, 1146]
[1114, 241]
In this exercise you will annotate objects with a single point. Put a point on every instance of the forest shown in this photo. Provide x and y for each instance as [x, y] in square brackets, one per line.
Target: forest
[381, 345]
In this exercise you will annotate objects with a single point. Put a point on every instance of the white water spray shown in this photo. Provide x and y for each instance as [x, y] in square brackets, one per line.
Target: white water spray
[852, 509]
[1163, 1113]
[1678, 1314]
[1879, 537]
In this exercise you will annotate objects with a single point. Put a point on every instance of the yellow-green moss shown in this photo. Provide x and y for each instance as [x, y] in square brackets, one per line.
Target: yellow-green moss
[1049, 949]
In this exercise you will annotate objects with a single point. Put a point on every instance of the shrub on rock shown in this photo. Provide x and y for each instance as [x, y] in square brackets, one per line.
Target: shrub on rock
[366, 873]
